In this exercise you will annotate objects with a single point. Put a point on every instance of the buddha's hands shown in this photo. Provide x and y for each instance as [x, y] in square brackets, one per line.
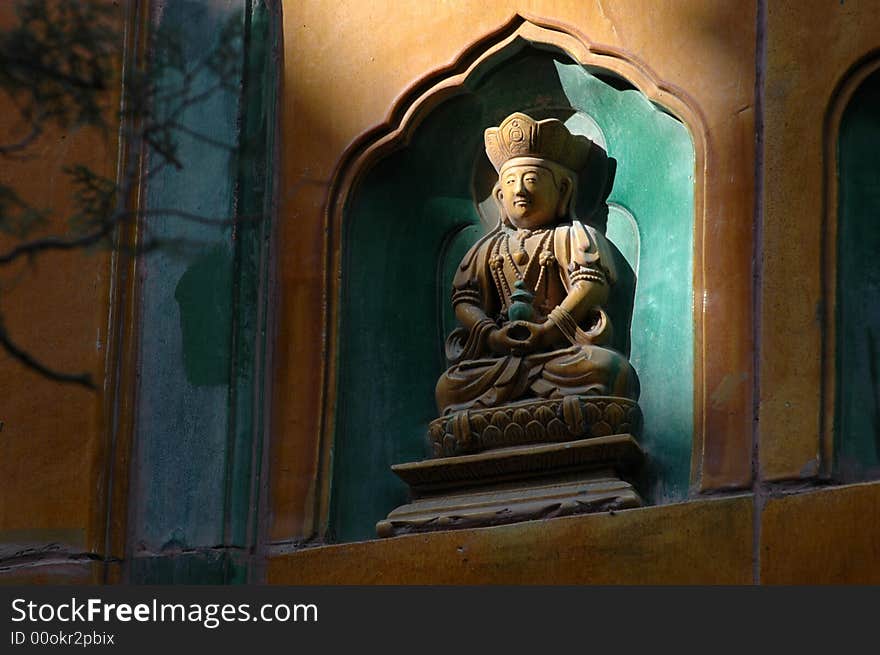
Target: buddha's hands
[517, 338]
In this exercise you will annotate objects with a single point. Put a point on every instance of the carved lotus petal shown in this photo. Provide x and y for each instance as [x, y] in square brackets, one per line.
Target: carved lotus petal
[449, 444]
[592, 412]
[522, 417]
[544, 414]
[601, 429]
[513, 433]
[557, 430]
[614, 414]
[492, 436]
[500, 419]
[478, 423]
[535, 431]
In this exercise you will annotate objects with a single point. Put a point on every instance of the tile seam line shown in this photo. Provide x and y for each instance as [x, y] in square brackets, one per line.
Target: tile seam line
[757, 282]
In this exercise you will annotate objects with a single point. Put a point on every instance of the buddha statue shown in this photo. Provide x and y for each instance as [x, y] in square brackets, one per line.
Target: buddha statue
[530, 295]
[538, 412]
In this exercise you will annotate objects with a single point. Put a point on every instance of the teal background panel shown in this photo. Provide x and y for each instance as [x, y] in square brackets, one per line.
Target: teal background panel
[654, 183]
[857, 415]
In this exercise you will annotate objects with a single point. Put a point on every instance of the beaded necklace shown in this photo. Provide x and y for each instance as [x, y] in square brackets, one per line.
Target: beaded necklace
[501, 252]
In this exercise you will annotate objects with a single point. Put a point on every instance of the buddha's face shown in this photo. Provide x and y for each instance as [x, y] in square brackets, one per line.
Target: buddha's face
[530, 195]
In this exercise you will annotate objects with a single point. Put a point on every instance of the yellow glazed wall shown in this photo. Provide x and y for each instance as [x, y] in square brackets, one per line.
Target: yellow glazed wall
[804, 96]
[346, 64]
[54, 437]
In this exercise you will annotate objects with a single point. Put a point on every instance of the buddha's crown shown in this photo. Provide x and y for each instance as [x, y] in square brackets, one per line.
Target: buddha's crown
[522, 136]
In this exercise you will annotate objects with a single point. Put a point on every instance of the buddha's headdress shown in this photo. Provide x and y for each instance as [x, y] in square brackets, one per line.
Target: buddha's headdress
[522, 136]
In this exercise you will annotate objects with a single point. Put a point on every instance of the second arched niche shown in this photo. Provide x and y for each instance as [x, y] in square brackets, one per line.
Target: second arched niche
[857, 316]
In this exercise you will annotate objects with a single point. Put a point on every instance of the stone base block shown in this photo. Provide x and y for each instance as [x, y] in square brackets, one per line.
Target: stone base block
[516, 484]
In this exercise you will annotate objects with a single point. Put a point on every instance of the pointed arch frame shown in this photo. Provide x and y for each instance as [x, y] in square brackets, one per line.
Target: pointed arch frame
[408, 111]
[843, 93]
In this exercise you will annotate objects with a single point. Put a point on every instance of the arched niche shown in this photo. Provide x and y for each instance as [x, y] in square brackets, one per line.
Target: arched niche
[415, 209]
[856, 332]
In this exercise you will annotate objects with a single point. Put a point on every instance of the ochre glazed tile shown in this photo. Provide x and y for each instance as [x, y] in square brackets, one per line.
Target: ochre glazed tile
[55, 308]
[704, 542]
[830, 536]
[58, 573]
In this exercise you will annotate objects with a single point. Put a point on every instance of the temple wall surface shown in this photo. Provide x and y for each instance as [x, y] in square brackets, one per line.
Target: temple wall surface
[214, 449]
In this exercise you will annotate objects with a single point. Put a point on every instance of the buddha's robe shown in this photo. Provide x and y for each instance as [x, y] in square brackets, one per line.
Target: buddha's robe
[558, 258]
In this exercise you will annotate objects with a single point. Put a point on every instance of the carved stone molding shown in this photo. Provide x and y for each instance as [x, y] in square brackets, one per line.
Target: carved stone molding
[596, 493]
[533, 421]
[517, 484]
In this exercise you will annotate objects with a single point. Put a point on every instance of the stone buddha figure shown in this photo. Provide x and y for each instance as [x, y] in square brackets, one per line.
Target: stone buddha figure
[538, 412]
[530, 295]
